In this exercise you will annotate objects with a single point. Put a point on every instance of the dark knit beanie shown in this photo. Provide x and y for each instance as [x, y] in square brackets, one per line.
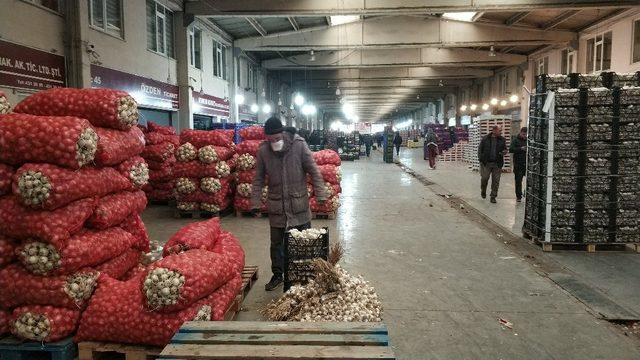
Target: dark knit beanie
[273, 126]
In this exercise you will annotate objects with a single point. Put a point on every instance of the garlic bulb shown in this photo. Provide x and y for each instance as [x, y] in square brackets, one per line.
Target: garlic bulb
[210, 185]
[128, 111]
[32, 326]
[162, 287]
[223, 169]
[213, 208]
[139, 174]
[208, 154]
[5, 106]
[185, 186]
[86, 146]
[39, 258]
[187, 206]
[34, 187]
[246, 162]
[244, 189]
[186, 152]
[79, 287]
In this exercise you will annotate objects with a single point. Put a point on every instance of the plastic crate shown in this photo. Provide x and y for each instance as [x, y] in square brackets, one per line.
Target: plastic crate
[298, 256]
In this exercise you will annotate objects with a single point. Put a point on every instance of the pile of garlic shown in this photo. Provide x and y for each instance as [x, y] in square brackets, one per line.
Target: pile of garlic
[86, 146]
[34, 187]
[162, 287]
[39, 258]
[185, 186]
[208, 154]
[32, 326]
[246, 162]
[5, 106]
[187, 206]
[244, 190]
[128, 111]
[186, 152]
[307, 234]
[80, 286]
[213, 208]
[223, 169]
[139, 174]
[210, 185]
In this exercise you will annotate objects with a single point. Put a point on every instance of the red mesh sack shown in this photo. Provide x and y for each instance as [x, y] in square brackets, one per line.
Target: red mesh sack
[329, 206]
[136, 271]
[327, 157]
[142, 128]
[330, 173]
[167, 130]
[19, 288]
[121, 264]
[53, 227]
[115, 146]
[197, 169]
[158, 152]
[249, 147]
[49, 187]
[219, 205]
[223, 297]
[167, 173]
[246, 176]
[198, 235]
[211, 153]
[229, 246]
[7, 251]
[5, 317]
[108, 108]
[113, 209]
[201, 138]
[136, 171]
[159, 165]
[44, 323]
[66, 141]
[252, 133]
[135, 226]
[242, 203]
[153, 138]
[116, 313]
[177, 281]
[87, 248]
[6, 174]
[200, 196]
[160, 195]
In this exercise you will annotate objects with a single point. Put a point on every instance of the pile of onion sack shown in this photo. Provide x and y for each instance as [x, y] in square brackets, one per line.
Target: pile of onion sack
[247, 150]
[161, 143]
[197, 280]
[70, 204]
[204, 163]
[328, 162]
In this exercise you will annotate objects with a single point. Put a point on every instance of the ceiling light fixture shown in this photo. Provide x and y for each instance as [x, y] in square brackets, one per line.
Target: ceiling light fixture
[298, 99]
[441, 83]
[463, 108]
[338, 92]
[514, 98]
[312, 55]
[473, 107]
[485, 107]
[254, 108]
[266, 108]
[239, 99]
[492, 51]
[503, 103]
[494, 101]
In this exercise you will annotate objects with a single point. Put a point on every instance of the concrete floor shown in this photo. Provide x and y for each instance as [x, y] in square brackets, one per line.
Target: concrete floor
[444, 281]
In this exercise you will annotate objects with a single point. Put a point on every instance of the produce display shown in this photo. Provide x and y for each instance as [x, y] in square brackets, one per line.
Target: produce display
[328, 162]
[5, 108]
[43, 323]
[204, 162]
[159, 140]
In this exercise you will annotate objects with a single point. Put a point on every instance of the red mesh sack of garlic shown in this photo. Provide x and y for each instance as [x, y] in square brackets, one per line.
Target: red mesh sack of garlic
[233, 161]
[200, 196]
[246, 176]
[177, 281]
[229, 246]
[185, 186]
[249, 147]
[219, 205]
[252, 133]
[136, 171]
[49, 187]
[121, 264]
[66, 141]
[153, 138]
[223, 297]
[6, 176]
[167, 130]
[135, 226]
[330, 173]
[167, 173]
[44, 323]
[160, 195]
[137, 271]
[210, 154]
[198, 169]
[5, 108]
[7, 251]
[107, 108]
[329, 206]
[202, 138]
[86, 248]
[5, 318]
[159, 165]
[158, 152]
[199, 235]
[327, 157]
[242, 203]
[116, 146]
[142, 128]
[53, 227]
[114, 208]
[211, 185]
[116, 313]
[19, 288]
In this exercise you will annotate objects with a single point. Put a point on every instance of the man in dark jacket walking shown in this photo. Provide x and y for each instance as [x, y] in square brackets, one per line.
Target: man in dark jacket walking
[518, 148]
[397, 141]
[286, 159]
[491, 153]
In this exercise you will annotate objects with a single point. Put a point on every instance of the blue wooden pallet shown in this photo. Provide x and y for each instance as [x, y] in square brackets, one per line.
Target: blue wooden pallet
[15, 349]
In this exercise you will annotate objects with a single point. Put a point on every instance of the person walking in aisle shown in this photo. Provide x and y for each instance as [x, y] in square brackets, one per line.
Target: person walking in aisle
[397, 141]
[368, 142]
[431, 143]
[518, 148]
[286, 159]
[380, 138]
[491, 153]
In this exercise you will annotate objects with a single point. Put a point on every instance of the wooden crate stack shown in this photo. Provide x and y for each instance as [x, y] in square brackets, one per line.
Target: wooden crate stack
[471, 149]
[484, 124]
[456, 153]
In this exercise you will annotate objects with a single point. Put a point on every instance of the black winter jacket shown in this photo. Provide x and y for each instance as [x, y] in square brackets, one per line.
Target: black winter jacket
[484, 150]
[519, 155]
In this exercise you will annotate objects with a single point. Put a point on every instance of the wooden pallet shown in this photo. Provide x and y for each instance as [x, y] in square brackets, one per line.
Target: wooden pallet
[192, 214]
[323, 215]
[249, 278]
[16, 349]
[588, 247]
[279, 340]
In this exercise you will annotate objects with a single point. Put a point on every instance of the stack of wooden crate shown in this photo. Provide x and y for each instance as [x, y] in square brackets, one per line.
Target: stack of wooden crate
[456, 153]
[484, 124]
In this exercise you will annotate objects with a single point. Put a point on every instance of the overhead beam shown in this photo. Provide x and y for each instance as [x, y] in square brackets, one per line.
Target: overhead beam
[294, 23]
[256, 25]
[373, 83]
[266, 8]
[566, 15]
[404, 32]
[408, 73]
[516, 18]
[344, 59]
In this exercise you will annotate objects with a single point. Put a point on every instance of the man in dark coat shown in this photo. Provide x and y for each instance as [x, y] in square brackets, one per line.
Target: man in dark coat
[397, 141]
[286, 159]
[518, 148]
[491, 153]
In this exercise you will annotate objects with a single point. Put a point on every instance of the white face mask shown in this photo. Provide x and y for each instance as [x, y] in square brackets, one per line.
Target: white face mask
[277, 146]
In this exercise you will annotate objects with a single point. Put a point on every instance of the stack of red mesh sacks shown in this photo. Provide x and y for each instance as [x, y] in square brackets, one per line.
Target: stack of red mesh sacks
[245, 172]
[197, 280]
[69, 207]
[328, 162]
[161, 143]
[205, 160]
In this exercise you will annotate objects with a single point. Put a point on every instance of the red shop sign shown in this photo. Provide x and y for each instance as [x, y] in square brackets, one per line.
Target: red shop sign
[147, 92]
[210, 105]
[27, 68]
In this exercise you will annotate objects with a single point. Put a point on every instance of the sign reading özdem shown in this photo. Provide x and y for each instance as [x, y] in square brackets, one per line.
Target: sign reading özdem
[23, 67]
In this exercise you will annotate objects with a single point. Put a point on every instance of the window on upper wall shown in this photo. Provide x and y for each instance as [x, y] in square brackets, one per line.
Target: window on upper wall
[159, 29]
[636, 42]
[219, 60]
[54, 5]
[568, 64]
[542, 66]
[106, 15]
[599, 52]
[238, 73]
[195, 48]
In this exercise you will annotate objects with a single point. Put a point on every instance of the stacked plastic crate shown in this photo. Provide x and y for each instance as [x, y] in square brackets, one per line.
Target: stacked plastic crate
[583, 172]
